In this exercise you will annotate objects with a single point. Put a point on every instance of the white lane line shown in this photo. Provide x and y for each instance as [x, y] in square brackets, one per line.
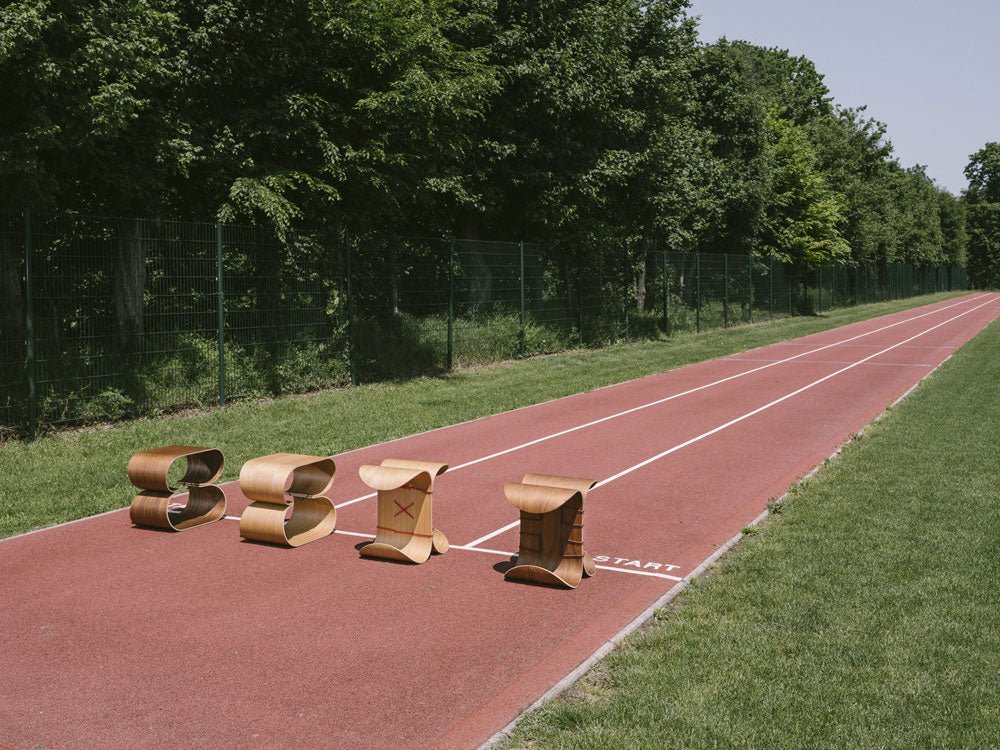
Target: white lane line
[744, 417]
[914, 346]
[834, 362]
[469, 548]
[335, 531]
[85, 519]
[353, 533]
[681, 394]
[647, 573]
[781, 399]
[492, 534]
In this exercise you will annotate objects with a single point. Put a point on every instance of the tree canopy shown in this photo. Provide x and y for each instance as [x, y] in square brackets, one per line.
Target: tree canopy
[598, 128]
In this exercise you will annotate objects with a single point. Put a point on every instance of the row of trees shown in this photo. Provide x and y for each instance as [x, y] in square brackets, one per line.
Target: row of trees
[603, 129]
[983, 201]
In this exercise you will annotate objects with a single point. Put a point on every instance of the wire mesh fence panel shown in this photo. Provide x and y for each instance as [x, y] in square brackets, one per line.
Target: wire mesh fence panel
[604, 310]
[128, 316]
[487, 301]
[177, 347]
[285, 317]
[13, 372]
[552, 310]
[682, 281]
[399, 300]
[739, 288]
[715, 307]
[121, 313]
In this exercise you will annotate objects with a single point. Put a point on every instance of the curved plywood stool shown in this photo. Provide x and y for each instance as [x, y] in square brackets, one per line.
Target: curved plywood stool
[148, 471]
[284, 480]
[551, 547]
[405, 530]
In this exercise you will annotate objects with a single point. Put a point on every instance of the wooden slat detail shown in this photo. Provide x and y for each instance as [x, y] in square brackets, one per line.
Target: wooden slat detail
[404, 529]
[551, 540]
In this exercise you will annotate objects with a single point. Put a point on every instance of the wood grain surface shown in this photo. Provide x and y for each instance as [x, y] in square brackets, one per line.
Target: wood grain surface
[291, 505]
[551, 536]
[149, 471]
[405, 525]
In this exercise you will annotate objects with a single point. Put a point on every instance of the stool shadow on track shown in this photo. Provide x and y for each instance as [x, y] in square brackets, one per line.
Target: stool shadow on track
[405, 528]
[551, 544]
[149, 470]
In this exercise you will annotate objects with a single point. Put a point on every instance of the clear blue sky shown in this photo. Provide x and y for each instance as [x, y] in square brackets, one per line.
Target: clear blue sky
[929, 70]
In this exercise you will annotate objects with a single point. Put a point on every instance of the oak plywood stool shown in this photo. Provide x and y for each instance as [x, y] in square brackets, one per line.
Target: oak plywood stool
[551, 545]
[148, 471]
[405, 529]
[284, 480]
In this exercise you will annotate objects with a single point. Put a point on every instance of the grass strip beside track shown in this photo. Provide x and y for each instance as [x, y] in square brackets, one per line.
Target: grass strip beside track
[66, 476]
[865, 613]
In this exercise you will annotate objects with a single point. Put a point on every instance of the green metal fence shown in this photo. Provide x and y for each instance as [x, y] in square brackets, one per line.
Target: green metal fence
[103, 319]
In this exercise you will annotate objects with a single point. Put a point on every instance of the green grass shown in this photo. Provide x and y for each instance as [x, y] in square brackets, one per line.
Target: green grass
[865, 612]
[65, 476]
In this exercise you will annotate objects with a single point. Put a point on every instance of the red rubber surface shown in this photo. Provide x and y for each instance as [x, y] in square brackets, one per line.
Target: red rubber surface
[117, 637]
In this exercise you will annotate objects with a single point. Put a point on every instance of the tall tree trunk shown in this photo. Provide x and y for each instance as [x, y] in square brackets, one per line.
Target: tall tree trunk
[267, 254]
[392, 258]
[639, 262]
[130, 283]
[11, 296]
[479, 281]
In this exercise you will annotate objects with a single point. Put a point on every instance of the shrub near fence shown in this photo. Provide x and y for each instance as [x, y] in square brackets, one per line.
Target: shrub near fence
[105, 319]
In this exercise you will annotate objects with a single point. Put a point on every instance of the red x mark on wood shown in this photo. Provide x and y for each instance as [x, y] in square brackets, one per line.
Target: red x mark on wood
[405, 510]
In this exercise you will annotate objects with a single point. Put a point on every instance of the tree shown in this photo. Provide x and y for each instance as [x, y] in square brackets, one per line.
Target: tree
[983, 174]
[955, 239]
[983, 201]
[801, 222]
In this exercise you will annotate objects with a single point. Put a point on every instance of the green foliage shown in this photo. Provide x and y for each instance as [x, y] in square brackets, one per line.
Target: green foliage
[603, 129]
[983, 173]
[802, 222]
[983, 200]
[984, 245]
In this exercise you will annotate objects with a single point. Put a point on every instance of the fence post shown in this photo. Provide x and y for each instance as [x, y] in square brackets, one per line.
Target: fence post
[725, 290]
[29, 330]
[749, 288]
[788, 289]
[520, 342]
[579, 306]
[697, 313]
[628, 293]
[819, 290]
[220, 314]
[451, 303]
[770, 302]
[666, 296]
[352, 361]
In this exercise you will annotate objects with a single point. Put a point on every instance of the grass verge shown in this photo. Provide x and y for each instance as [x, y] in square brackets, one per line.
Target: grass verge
[865, 612]
[72, 475]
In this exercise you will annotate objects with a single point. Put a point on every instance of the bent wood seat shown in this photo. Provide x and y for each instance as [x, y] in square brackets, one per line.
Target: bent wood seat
[288, 480]
[405, 528]
[148, 471]
[551, 545]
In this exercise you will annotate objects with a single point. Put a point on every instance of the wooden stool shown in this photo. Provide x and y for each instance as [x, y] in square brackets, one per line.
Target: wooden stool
[405, 530]
[148, 471]
[551, 548]
[281, 480]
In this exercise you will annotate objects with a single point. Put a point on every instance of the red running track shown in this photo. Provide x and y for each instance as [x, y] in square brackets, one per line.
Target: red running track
[117, 637]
